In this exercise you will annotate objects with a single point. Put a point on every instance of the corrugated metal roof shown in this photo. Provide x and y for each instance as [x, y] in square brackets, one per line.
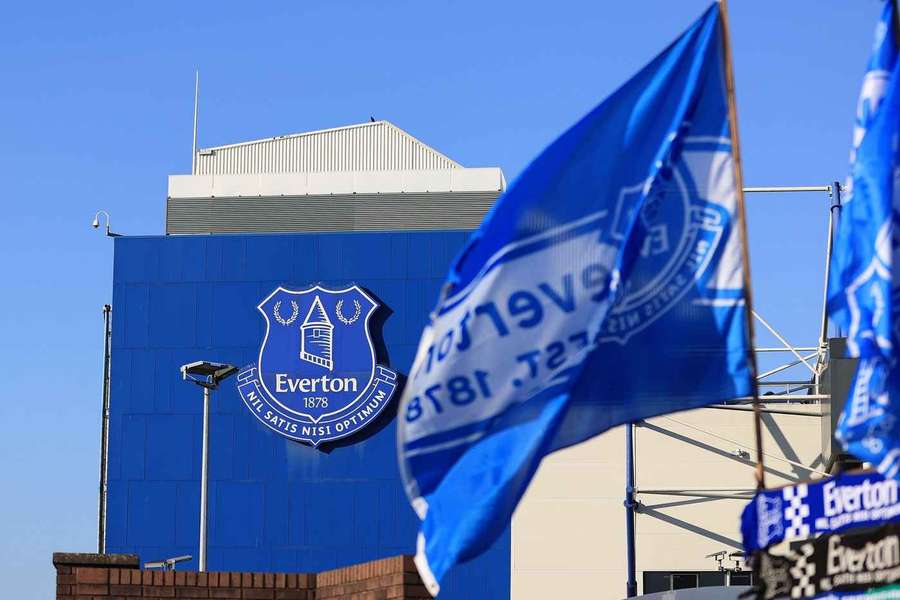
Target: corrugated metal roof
[376, 146]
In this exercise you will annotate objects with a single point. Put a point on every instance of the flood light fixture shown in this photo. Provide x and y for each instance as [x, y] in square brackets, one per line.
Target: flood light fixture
[207, 375]
[167, 564]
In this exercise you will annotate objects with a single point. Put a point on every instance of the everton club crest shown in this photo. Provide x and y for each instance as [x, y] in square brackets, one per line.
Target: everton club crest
[316, 378]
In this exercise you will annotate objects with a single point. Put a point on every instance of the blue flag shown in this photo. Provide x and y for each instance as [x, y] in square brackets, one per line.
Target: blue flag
[604, 287]
[863, 286]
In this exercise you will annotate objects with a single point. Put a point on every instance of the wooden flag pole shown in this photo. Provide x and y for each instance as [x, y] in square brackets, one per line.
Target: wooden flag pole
[745, 252]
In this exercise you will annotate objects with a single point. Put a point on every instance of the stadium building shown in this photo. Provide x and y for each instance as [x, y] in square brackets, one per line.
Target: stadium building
[371, 209]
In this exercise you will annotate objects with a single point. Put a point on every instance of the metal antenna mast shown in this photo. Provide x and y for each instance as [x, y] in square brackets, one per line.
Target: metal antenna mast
[196, 110]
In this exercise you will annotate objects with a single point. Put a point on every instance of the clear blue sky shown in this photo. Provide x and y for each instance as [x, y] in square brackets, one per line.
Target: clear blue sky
[95, 112]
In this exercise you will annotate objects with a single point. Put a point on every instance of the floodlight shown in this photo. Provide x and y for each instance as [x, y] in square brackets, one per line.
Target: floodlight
[719, 557]
[167, 564]
[207, 375]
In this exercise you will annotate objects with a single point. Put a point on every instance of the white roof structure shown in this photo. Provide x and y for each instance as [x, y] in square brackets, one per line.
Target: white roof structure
[375, 146]
[373, 177]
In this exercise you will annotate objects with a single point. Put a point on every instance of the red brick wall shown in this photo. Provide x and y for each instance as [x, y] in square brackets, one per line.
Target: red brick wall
[114, 577]
[394, 577]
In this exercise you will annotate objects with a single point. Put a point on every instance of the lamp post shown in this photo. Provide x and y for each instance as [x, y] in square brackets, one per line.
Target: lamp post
[207, 375]
[104, 433]
[104, 415]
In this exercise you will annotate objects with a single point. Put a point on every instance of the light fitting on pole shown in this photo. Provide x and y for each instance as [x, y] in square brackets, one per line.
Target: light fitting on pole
[168, 564]
[207, 375]
[96, 223]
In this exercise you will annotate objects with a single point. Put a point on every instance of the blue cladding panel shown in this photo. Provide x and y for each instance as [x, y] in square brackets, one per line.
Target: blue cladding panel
[274, 505]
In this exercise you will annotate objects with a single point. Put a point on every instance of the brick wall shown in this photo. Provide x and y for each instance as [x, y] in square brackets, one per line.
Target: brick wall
[117, 577]
[394, 577]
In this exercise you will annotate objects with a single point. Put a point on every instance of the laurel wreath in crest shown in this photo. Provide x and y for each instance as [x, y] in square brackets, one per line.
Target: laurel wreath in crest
[342, 318]
[295, 310]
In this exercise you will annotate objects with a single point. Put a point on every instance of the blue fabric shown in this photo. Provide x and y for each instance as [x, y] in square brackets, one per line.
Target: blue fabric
[832, 505]
[863, 286]
[604, 287]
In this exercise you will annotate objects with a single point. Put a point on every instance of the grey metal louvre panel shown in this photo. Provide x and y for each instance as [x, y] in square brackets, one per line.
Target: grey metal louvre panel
[378, 146]
[357, 212]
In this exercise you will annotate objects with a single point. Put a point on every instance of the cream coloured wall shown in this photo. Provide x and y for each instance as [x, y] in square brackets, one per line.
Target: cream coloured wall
[568, 534]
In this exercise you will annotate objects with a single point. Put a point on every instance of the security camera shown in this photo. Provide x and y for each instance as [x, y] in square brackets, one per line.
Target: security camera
[96, 223]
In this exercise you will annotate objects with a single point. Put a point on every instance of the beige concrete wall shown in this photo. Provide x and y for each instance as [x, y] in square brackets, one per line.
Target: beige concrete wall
[569, 530]
[568, 534]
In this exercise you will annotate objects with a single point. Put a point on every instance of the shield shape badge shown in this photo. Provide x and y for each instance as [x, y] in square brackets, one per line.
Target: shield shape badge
[316, 378]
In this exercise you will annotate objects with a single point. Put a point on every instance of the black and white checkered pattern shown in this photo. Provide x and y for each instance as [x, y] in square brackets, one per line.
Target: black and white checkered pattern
[803, 571]
[796, 510]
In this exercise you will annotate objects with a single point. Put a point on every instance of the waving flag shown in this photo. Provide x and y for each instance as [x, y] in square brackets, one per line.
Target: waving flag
[863, 290]
[604, 287]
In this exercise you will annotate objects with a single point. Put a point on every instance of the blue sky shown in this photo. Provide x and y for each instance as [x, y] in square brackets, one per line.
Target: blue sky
[95, 112]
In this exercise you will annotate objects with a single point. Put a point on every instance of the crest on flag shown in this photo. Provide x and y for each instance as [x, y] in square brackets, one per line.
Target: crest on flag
[679, 232]
[317, 377]
[863, 294]
[866, 294]
[622, 236]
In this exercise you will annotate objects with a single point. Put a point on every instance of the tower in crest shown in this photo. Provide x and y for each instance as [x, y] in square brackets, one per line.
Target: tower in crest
[316, 336]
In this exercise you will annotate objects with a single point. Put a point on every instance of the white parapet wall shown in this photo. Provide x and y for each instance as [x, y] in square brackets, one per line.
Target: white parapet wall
[338, 183]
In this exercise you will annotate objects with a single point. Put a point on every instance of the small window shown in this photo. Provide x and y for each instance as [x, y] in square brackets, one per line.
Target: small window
[684, 581]
[664, 581]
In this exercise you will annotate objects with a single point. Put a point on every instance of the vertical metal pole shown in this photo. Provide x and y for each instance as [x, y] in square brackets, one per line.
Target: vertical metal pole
[835, 204]
[834, 211]
[196, 110]
[104, 433]
[204, 480]
[630, 505]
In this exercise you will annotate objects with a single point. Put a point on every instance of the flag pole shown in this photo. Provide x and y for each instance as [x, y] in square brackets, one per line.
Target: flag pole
[745, 251]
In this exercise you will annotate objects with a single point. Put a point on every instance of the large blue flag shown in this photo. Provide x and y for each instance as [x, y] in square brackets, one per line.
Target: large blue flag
[863, 287]
[604, 287]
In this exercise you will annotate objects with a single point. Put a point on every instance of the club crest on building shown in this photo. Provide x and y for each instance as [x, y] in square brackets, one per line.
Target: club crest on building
[316, 378]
